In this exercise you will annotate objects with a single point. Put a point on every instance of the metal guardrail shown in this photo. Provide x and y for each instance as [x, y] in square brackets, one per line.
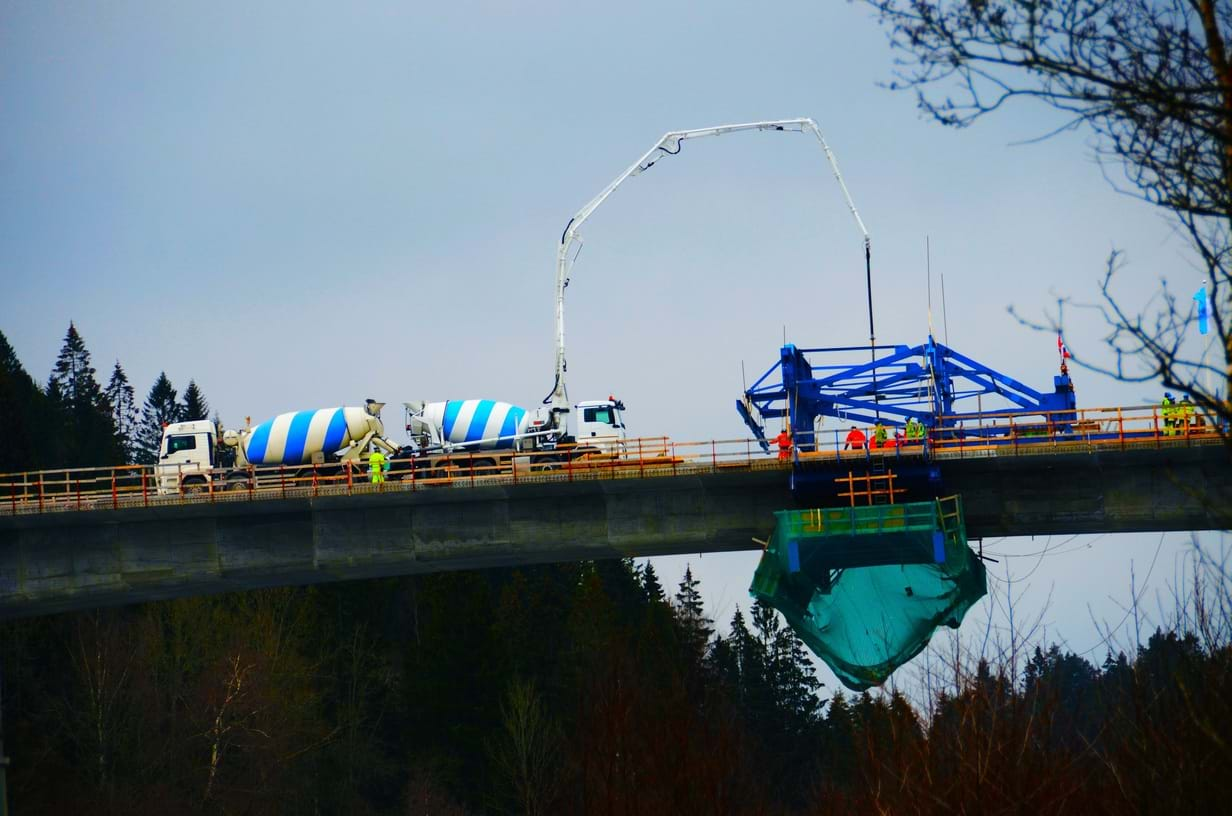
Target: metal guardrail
[134, 486]
[993, 434]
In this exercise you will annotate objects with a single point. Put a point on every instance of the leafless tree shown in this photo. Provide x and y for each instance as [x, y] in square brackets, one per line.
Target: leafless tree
[1152, 81]
[529, 753]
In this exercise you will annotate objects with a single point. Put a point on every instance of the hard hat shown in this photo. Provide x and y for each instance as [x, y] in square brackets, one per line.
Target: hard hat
[1168, 395]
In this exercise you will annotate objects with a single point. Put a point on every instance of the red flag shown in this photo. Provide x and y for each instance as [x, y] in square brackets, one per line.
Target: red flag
[1061, 349]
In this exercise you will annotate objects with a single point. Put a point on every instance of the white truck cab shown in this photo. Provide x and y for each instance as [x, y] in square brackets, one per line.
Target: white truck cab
[187, 448]
[600, 421]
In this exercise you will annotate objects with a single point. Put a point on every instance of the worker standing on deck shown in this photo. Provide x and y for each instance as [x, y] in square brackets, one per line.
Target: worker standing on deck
[915, 431]
[879, 435]
[855, 439]
[1167, 411]
[376, 467]
[783, 440]
[1185, 413]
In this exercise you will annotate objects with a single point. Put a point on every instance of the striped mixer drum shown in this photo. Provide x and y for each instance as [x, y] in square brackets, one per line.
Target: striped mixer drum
[489, 423]
[293, 438]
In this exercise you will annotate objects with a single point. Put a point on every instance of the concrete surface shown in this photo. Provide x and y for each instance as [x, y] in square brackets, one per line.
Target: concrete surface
[73, 560]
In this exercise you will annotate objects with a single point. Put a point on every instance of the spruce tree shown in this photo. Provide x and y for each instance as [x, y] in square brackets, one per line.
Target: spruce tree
[81, 406]
[195, 407]
[23, 415]
[790, 673]
[161, 408]
[650, 582]
[691, 617]
[121, 397]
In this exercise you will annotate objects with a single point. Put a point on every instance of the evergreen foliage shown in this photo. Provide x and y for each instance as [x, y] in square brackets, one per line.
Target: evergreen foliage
[121, 397]
[80, 408]
[556, 689]
[194, 407]
[693, 625]
[160, 408]
[23, 415]
[650, 582]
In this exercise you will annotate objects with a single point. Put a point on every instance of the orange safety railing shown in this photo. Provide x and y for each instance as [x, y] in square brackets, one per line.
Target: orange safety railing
[991, 434]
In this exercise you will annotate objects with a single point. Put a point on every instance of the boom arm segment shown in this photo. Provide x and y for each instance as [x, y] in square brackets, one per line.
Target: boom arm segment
[669, 145]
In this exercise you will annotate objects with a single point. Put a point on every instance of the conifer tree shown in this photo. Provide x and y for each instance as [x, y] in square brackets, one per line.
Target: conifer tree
[650, 581]
[22, 414]
[194, 407]
[160, 408]
[121, 397]
[695, 627]
[790, 674]
[84, 413]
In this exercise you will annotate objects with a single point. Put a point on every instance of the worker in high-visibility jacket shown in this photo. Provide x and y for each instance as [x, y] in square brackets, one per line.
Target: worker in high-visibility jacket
[1186, 414]
[880, 434]
[377, 467]
[1167, 410]
[855, 439]
[915, 431]
[783, 440]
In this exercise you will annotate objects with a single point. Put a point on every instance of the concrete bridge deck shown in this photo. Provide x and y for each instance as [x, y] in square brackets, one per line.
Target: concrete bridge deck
[64, 561]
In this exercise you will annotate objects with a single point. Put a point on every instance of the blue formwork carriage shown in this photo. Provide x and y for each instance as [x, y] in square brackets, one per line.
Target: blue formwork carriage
[946, 391]
[866, 587]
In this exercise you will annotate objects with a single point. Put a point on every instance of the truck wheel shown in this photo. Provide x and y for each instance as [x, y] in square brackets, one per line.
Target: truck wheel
[194, 488]
[237, 484]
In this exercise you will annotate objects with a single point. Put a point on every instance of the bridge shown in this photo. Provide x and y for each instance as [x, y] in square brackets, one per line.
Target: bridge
[72, 540]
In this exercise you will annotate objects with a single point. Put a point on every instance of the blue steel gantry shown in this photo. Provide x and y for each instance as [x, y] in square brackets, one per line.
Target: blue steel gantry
[931, 382]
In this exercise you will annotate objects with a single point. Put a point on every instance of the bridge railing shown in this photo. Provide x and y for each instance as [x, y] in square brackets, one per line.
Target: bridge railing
[990, 434]
[138, 486]
[1083, 430]
[1010, 433]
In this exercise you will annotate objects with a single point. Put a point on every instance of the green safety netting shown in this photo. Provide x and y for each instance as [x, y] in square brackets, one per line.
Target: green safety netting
[866, 587]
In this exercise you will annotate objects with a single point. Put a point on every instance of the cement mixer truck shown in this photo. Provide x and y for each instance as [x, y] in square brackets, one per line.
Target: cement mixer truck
[488, 437]
[304, 443]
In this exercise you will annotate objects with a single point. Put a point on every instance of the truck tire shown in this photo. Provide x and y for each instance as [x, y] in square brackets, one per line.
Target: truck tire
[237, 484]
[193, 486]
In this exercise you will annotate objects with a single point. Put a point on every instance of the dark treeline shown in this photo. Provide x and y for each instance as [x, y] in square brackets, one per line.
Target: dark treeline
[75, 422]
[577, 688]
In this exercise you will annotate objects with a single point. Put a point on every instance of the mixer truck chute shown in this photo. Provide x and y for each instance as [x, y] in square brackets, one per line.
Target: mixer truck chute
[299, 440]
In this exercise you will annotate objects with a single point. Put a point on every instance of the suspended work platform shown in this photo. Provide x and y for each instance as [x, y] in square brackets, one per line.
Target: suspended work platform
[866, 587]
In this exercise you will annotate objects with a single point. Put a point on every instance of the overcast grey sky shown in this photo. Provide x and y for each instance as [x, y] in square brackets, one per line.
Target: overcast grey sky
[305, 204]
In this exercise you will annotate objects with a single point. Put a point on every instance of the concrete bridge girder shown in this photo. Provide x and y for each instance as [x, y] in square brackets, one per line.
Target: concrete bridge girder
[72, 560]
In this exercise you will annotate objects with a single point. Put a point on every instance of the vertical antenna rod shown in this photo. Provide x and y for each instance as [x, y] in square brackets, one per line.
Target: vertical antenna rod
[872, 335]
[928, 266]
[945, 320]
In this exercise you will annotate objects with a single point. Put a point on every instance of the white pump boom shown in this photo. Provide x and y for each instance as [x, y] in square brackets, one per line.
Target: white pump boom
[669, 145]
